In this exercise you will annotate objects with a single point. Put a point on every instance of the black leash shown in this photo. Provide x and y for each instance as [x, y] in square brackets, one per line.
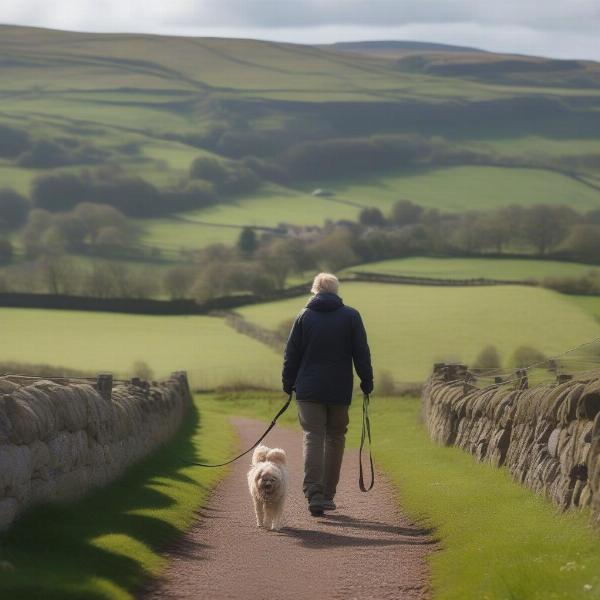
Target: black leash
[366, 434]
[260, 439]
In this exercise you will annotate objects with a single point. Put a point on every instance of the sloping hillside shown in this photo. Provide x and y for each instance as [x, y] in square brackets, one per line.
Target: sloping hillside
[147, 106]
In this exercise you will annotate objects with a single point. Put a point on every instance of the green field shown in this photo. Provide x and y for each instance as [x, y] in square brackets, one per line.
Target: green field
[467, 188]
[211, 352]
[411, 327]
[591, 304]
[473, 268]
[171, 235]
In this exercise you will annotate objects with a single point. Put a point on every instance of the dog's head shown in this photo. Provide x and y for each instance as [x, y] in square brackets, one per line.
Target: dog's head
[268, 480]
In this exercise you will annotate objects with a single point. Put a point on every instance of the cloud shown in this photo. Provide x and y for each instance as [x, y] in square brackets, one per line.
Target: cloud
[562, 28]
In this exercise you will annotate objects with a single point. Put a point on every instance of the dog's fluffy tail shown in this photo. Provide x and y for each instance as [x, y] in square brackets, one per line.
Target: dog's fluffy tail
[259, 454]
[277, 455]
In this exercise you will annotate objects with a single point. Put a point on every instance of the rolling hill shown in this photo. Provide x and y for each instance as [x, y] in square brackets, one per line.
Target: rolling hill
[147, 105]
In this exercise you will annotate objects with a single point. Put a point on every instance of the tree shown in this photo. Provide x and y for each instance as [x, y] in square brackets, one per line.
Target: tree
[247, 241]
[502, 226]
[59, 274]
[228, 178]
[276, 262]
[69, 230]
[372, 217]
[109, 280]
[6, 250]
[37, 223]
[58, 191]
[470, 235]
[13, 209]
[405, 212]
[210, 169]
[179, 281]
[96, 217]
[13, 141]
[334, 251]
[583, 242]
[545, 226]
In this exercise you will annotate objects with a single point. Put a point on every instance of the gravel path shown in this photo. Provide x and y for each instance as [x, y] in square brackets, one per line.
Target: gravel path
[366, 549]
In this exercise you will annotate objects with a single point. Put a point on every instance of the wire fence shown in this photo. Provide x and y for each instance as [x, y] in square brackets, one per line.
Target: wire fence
[580, 361]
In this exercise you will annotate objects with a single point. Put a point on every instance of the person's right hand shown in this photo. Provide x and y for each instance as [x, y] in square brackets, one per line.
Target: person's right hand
[366, 387]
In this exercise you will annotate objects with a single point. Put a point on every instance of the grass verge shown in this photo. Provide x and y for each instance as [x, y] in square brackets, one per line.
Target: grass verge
[498, 540]
[107, 544]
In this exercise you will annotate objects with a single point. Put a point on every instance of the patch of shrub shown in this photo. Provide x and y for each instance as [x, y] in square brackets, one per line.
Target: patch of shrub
[372, 216]
[13, 209]
[237, 144]
[41, 370]
[13, 141]
[227, 177]
[488, 359]
[6, 250]
[47, 153]
[385, 383]
[266, 169]
[587, 284]
[141, 369]
[525, 356]
[343, 156]
[132, 195]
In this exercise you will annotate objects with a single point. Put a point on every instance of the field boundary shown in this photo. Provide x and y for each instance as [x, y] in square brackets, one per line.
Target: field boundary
[149, 306]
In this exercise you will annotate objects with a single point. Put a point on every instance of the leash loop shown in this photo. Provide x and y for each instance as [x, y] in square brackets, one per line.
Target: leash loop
[260, 439]
[365, 435]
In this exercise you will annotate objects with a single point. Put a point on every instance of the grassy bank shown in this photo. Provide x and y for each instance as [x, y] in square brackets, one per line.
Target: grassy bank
[498, 540]
[106, 544]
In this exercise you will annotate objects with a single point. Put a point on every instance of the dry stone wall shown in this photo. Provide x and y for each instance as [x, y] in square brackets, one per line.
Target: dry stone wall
[58, 440]
[548, 436]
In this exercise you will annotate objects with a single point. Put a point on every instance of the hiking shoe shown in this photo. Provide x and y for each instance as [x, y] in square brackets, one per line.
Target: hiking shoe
[329, 505]
[315, 505]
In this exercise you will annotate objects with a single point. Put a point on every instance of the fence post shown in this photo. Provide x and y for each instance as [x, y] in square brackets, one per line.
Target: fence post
[523, 383]
[104, 383]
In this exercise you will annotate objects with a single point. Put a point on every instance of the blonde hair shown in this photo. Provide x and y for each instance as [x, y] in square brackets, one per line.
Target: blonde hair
[325, 282]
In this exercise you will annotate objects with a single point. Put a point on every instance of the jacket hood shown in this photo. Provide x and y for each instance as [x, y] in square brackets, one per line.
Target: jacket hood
[325, 302]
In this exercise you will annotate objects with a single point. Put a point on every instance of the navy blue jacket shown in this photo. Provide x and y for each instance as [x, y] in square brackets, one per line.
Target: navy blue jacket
[326, 338]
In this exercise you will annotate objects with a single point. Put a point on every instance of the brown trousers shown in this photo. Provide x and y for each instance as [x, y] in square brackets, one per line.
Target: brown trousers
[324, 427]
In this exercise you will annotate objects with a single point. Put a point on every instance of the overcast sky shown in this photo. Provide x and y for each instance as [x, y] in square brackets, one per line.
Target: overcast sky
[557, 28]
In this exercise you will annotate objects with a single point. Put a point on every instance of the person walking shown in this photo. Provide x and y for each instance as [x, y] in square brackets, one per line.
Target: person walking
[327, 337]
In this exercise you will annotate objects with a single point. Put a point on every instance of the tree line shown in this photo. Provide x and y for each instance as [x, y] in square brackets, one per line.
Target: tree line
[263, 262]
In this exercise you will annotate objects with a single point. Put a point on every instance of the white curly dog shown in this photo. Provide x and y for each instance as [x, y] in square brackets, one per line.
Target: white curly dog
[268, 483]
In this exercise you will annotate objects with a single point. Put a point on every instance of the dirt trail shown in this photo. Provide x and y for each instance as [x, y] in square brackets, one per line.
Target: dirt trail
[366, 549]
